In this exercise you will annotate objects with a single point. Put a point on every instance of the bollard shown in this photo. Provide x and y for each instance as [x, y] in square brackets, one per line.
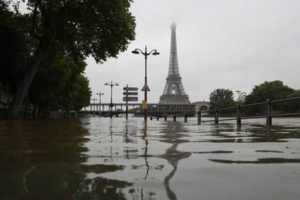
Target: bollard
[217, 116]
[174, 118]
[269, 112]
[185, 118]
[151, 118]
[165, 118]
[199, 117]
[238, 115]
[157, 118]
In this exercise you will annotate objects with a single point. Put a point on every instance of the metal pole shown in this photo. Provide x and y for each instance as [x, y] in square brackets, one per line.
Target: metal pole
[217, 116]
[127, 101]
[93, 106]
[99, 105]
[269, 112]
[146, 54]
[145, 95]
[100, 94]
[238, 115]
[111, 105]
[199, 116]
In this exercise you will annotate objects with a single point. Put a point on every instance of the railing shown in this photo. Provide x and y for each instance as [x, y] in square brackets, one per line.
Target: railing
[238, 112]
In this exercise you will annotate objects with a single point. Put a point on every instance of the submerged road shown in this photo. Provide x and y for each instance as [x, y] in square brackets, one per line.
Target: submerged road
[103, 158]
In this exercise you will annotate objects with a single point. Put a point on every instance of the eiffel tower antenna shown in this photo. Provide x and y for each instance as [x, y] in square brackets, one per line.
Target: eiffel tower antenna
[174, 92]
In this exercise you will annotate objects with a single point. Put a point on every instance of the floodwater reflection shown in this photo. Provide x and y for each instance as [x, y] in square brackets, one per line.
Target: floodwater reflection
[172, 134]
[103, 158]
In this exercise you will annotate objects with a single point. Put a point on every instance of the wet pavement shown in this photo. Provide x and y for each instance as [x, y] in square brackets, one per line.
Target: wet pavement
[103, 158]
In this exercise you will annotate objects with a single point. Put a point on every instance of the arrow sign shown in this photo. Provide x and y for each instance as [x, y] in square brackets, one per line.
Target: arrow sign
[130, 98]
[146, 88]
[130, 88]
[130, 93]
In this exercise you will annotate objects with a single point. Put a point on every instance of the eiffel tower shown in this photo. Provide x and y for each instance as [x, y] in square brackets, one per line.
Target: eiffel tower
[174, 92]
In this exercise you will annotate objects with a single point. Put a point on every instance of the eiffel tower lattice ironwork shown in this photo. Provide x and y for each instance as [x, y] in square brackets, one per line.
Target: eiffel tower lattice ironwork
[174, 92]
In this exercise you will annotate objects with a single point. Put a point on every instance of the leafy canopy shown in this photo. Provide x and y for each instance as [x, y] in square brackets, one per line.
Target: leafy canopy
[273, 90]
[83, 28]
[221, 98]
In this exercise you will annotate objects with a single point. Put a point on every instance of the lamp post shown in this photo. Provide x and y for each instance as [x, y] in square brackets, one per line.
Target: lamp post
[111, 84]
[145, 88]
[100, 94]
[93, 109]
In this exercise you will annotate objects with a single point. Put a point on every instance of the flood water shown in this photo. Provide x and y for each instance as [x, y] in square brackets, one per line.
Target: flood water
[103, 158]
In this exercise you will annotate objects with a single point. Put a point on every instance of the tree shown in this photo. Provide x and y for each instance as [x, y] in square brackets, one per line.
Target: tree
[60, 86]
[221, 98]
[14, 48]
[241, 97]
[74, 28]
[293, 106]
[273, 90]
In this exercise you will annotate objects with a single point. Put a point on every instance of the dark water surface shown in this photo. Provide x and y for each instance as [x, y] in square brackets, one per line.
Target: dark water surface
[93, 158]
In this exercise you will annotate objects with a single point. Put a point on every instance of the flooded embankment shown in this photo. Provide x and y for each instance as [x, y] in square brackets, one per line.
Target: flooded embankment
[103, 158]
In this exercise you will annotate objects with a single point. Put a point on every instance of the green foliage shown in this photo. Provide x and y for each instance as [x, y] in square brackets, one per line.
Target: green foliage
[273, 90]
[53, 29]
[61, 86]
[83, 28]
[222, 98]
[14, 48]
[292, 106]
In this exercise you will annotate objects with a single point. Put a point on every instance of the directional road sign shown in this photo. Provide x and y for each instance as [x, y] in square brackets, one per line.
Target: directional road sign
[130, 88]
[130, 98]
[130, 93]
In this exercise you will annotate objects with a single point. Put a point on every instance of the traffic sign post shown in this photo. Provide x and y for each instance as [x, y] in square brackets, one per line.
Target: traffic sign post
[129, 96]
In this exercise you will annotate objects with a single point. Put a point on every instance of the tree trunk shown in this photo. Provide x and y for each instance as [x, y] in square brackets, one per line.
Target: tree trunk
[27, 80]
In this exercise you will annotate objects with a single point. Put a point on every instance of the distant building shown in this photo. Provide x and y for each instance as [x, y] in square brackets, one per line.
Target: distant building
[202, 105]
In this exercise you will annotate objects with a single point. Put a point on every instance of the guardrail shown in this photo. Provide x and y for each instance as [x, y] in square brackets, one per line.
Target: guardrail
[238, 112]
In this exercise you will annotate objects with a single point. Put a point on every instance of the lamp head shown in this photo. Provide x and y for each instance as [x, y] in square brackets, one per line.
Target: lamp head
[155, 53]
[135, 51]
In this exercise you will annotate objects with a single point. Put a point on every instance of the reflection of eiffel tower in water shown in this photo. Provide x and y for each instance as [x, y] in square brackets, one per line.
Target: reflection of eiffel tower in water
[174, 92]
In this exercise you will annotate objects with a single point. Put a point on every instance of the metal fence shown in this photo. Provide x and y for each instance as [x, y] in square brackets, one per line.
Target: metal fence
[242, 111]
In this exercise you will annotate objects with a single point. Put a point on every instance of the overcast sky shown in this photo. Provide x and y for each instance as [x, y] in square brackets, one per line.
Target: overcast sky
[232, 44]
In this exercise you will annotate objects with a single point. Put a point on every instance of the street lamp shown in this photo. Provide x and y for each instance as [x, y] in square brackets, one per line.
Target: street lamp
[92, 109]
[100, 94]
[145, 88]
[111, 84]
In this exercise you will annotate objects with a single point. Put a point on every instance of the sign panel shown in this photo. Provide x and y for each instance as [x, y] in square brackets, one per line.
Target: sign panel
[146, 88]
[130, 88]
[130, 98]
[130, 93]
[144, 105]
